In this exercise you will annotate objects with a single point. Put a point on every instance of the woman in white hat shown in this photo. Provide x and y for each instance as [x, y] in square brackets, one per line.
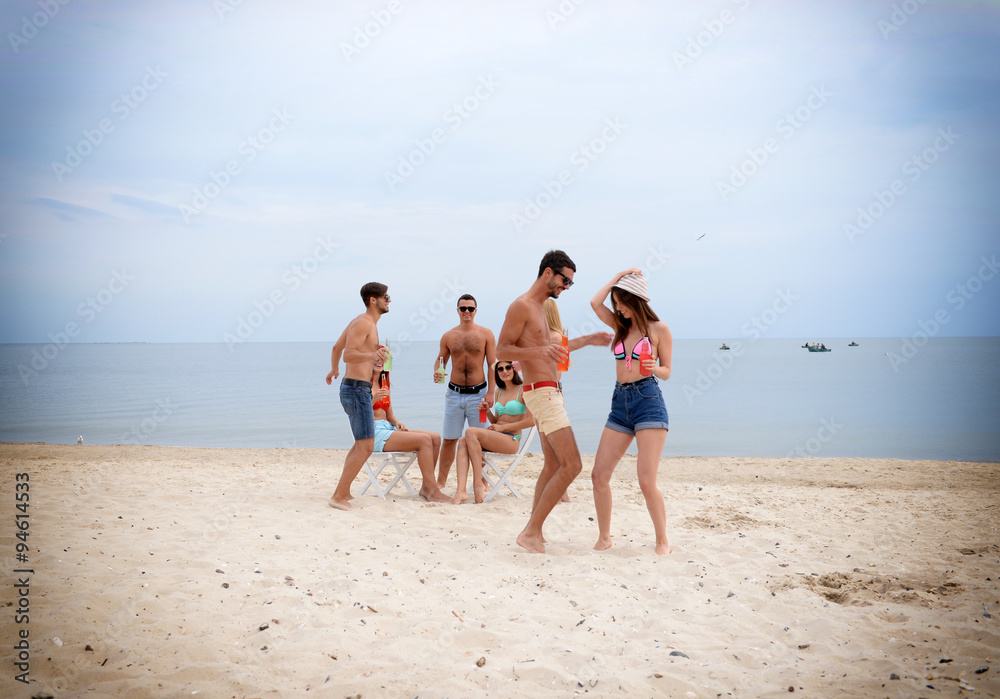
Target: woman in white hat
[643, 347]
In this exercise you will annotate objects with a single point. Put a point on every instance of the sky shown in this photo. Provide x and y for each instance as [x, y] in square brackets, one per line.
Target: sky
[235, 170]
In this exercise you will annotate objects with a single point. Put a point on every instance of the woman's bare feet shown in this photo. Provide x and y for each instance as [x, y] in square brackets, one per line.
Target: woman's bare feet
[460, 497]
[663, 548]
[603, 543]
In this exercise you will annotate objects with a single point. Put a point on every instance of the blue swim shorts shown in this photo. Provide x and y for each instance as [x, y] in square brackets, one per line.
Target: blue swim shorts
[356, 397]
[383, 430]
[638, 406]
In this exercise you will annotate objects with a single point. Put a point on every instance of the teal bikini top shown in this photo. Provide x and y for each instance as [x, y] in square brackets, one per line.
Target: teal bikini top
[511, 407]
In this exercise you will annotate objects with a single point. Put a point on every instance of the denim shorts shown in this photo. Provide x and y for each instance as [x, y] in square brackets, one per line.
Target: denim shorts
[637, 406]
[460, 408]
[356, 397]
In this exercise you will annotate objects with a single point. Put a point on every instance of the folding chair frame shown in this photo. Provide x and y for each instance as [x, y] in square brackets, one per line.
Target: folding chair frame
[401, 460]
[503, 475]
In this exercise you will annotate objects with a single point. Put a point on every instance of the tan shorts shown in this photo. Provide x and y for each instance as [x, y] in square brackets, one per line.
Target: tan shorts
[548, 407]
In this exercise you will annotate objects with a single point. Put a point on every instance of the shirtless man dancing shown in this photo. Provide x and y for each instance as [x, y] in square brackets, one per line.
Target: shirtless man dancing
[472, 349]
[361, 350]
[525, 338]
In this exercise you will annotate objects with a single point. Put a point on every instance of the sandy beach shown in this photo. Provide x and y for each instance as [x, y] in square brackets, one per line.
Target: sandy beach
[169, 572]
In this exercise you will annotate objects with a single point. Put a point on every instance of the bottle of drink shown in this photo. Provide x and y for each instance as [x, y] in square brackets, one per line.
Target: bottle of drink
[441, 372]
[383, 382]
[483, 417]
[645, 353]
[563, 364]
[387, 366]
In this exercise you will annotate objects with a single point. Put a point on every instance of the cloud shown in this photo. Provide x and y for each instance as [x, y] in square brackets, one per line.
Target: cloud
[64, 210]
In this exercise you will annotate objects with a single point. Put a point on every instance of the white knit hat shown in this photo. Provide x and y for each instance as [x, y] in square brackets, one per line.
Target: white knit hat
[634, 284]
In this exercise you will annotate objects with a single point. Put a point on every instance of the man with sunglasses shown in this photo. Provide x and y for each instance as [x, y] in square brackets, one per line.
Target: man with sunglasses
[361, 350]
[472, 350]
[525, 337]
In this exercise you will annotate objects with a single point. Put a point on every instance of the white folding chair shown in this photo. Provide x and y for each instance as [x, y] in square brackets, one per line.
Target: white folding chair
[490, 460]
[401, 460]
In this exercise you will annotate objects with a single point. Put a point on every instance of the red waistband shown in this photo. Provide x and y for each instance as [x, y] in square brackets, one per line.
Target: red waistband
[540, 384]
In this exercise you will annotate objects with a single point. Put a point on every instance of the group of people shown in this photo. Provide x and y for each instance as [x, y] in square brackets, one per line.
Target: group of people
[532, 340]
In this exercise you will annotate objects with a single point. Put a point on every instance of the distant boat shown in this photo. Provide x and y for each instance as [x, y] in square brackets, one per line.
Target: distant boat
[820, 349]
[724, 346]
[853, 344]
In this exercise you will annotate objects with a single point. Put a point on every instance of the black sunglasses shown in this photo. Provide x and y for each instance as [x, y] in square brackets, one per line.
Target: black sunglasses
[567, 282]
[509, 367]
[467, 309]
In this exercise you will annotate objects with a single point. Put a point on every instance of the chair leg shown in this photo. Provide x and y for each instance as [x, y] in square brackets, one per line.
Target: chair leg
[401, 469]
[373, 479]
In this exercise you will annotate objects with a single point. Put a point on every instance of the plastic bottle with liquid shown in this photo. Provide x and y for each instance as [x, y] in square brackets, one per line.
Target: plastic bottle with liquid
[645, 353]
[563, 364]
[387, 366]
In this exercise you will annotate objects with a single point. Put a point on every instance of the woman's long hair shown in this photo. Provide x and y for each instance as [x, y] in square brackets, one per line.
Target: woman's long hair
[553, 319]
[641, 312]
[552, 315]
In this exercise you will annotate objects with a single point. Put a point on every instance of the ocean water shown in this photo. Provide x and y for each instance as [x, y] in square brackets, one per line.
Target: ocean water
[766, 398]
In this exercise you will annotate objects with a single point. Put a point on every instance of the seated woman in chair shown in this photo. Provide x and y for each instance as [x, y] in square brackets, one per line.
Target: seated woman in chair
[392, 435]
[507, 419]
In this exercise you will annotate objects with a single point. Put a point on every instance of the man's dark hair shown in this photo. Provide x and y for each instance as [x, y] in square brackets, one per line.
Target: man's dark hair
[466, 297]
[557, 260]
[372, 290]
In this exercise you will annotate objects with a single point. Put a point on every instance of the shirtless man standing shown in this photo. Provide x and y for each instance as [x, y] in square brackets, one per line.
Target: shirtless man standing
[361, 350]
[472, 349]
[525, 338]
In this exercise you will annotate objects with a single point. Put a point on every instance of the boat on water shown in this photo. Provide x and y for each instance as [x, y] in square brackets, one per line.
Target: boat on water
[724, 346]
[854, 344]
[820, 349]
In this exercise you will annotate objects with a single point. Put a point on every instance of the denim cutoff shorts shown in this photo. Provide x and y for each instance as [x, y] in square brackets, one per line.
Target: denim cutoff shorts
[461, 408]
[637, 406]
[356, 397]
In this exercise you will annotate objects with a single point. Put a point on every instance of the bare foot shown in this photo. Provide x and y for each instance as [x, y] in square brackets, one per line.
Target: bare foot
[531, 544]
[565, 498]
[663, 549]
[460, 497]
[603, 544]
[433, 496]
[480, 492]
[340, 504]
